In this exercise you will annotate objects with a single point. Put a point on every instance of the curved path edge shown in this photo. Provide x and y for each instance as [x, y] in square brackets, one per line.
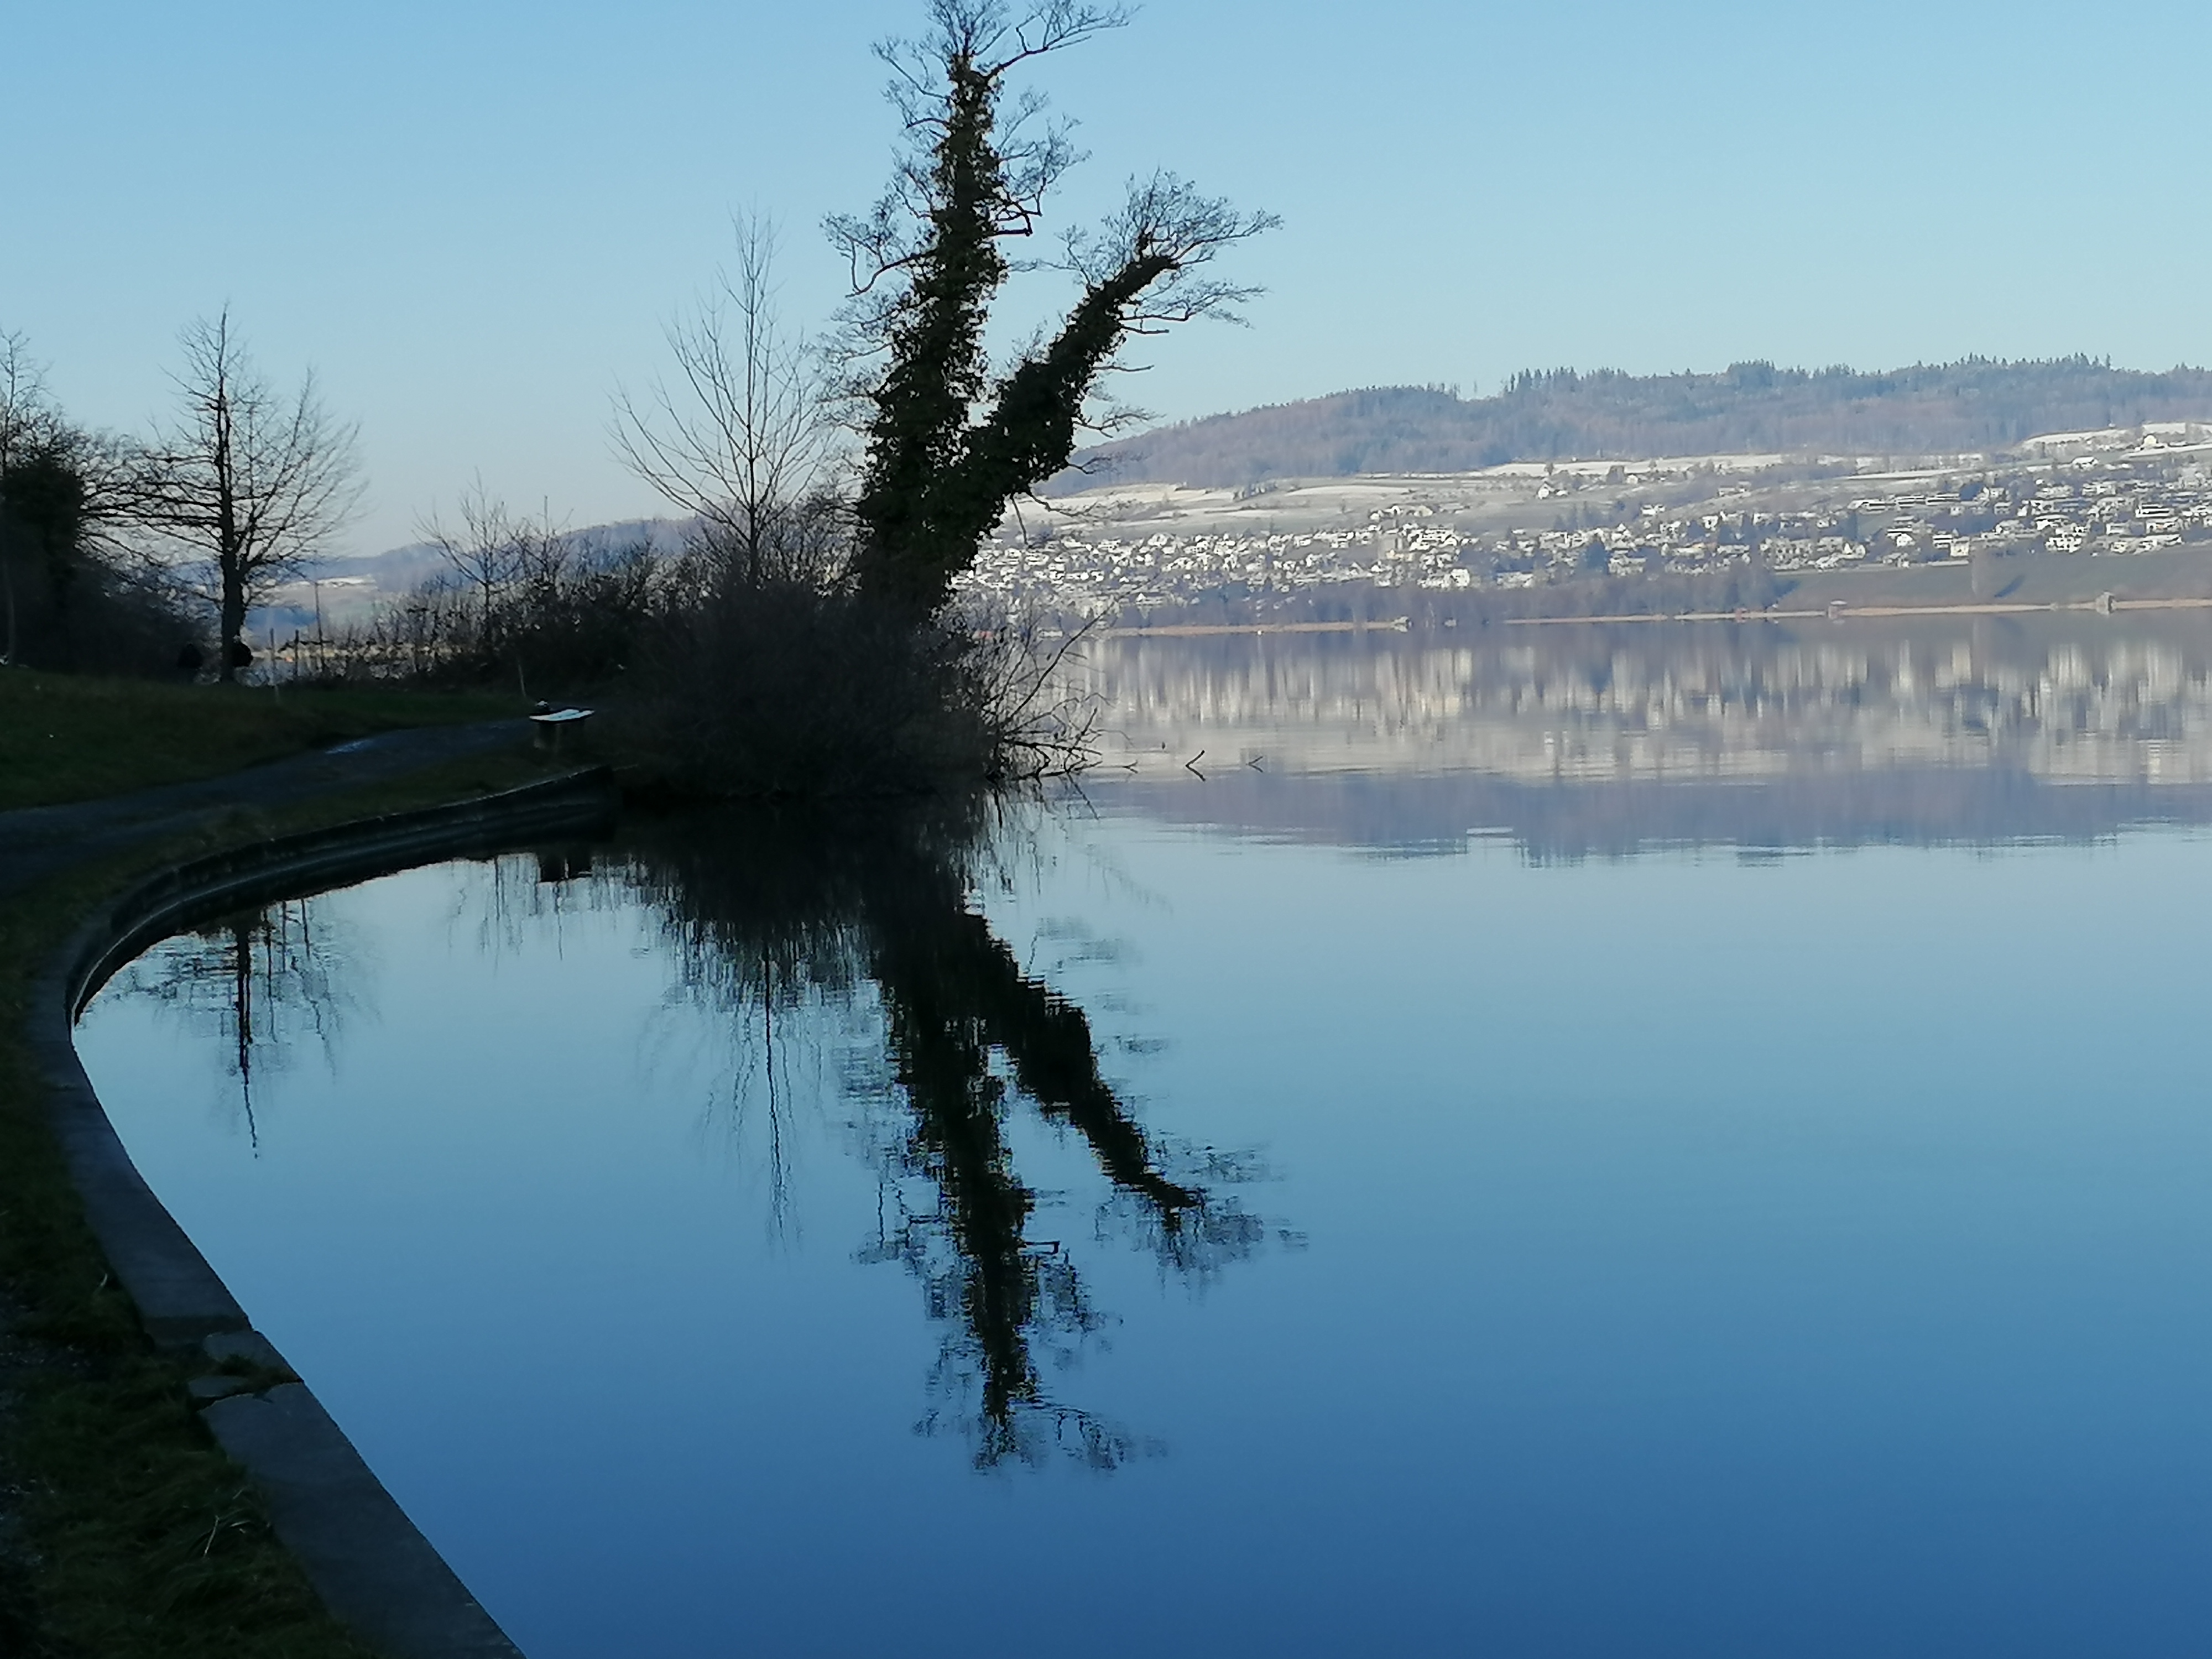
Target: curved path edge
[372, 1566]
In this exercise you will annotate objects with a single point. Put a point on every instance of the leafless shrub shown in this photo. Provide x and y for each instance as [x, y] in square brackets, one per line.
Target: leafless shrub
[525, 605]
[783, 689]
[1038, 723]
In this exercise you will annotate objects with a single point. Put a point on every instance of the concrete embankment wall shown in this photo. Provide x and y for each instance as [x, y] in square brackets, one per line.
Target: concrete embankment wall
[372, 1566]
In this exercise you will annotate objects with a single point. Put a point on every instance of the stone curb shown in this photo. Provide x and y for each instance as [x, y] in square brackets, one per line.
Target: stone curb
[372, 1568]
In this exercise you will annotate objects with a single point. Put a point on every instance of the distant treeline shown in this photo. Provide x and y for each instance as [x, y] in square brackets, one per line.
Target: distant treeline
[1975, 404]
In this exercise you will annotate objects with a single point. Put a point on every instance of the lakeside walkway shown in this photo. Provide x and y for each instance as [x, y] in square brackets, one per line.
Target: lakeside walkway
[38, 842]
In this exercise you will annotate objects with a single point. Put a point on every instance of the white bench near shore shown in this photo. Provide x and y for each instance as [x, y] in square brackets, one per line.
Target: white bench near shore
[555, 724]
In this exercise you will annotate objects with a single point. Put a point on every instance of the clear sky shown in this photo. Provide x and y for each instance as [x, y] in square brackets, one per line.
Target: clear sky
[474, 217]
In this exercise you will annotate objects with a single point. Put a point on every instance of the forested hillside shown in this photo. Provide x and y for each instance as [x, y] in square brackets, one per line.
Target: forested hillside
[1756, 408]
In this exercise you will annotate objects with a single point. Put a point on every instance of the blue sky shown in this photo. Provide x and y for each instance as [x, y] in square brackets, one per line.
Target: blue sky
[473, 218]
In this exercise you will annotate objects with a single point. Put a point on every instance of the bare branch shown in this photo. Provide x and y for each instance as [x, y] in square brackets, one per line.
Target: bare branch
[26, 411]
[958, 68]
[490, 552]
[1166, 223]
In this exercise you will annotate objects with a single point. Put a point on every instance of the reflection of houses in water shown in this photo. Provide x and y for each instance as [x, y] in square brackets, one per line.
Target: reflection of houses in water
[1980, 729]
[1698, 702]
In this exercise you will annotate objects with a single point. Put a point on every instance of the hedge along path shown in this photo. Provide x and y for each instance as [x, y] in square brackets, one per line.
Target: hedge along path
[124, 1530]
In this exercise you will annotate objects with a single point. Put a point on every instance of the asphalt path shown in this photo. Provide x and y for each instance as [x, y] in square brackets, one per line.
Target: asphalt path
[38, 842]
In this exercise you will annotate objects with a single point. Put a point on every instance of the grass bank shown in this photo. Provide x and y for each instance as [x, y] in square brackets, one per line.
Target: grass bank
[127, 1531]
[67, 736]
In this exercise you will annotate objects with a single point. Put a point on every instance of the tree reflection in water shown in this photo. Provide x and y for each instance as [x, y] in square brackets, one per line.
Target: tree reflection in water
[766, 909]
[772, 915]
[266, 980]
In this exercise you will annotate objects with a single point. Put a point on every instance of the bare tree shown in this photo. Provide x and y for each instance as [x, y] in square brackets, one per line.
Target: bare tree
[24, 409]
[252, 481]
[490, 552]
[743, 438]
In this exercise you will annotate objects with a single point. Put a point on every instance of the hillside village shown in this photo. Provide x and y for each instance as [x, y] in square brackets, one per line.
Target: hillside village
[1536, 537]
[1129, 552]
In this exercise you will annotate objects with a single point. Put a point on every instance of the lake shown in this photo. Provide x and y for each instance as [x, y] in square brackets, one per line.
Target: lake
[1560, 1141]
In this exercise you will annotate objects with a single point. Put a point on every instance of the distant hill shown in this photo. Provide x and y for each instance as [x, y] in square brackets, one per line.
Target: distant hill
[1976, 405]
[399, 568]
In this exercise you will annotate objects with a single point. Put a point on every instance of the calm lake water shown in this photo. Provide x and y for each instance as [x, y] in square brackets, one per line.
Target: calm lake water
[1574, 1143]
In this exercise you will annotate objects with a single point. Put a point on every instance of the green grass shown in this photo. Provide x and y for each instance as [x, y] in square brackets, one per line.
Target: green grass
[142, 1540]
[68, 737]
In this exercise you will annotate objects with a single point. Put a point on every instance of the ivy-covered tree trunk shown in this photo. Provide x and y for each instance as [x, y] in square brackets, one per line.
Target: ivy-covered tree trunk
[936, 368]
[949, 446]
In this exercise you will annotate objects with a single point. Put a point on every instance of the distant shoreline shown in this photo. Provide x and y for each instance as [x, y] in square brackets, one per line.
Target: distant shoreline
[1842, 610]
[1180, 630]
[1838, 610]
